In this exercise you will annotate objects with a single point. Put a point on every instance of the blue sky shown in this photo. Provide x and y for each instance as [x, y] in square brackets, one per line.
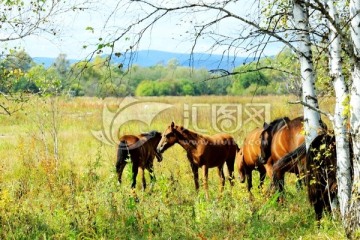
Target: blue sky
[166, 35]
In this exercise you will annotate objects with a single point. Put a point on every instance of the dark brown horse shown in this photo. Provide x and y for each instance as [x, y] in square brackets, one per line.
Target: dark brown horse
[283, 141]
[202, 151]
[250, 158]
[141, 149]
[247, 160]
[320, 175]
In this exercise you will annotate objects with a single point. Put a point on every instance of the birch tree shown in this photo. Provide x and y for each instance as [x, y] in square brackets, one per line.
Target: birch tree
[354, 211]
[340, 118]
[348, 186]
[311, 116]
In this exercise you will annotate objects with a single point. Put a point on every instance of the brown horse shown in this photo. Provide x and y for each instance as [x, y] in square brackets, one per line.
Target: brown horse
[250, 158]
[320, 175]
[283, 140]
[141, 149]
[247, 160]
[202, 151]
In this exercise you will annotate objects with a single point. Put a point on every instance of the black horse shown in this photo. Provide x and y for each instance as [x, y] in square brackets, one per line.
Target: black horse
[320, 174]
[142, 150]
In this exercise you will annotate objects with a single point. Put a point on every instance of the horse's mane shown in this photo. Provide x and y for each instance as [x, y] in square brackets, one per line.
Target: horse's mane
[151, 133]
[187, 133]
[278, 123]
[296, 121]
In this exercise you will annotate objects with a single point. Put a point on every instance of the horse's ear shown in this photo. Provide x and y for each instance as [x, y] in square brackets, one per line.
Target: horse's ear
[266, 125]
[172, 125]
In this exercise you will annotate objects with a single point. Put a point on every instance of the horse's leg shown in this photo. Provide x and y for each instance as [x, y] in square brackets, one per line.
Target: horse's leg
[150, 168]
[222, 178]
[249, 183]
[300, 174]
[269, 172]
[241, 174]
[248, 174]
[278, 180]
[195, 170]
[318, 207]
[230, 166]
[262, 173]
[135, 170]
[205, 181]
[120, 165]
[269, 169]
[143, 177]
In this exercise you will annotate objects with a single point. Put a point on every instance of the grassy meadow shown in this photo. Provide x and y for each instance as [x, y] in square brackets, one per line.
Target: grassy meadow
[57, 181]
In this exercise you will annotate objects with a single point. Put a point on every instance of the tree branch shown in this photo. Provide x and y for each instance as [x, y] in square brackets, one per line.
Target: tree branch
[331, 117]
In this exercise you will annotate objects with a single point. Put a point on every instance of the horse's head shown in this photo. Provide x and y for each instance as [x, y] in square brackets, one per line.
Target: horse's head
[239, 164]
[265, 143]
[154, 138]
[267, 134]
[168, 138]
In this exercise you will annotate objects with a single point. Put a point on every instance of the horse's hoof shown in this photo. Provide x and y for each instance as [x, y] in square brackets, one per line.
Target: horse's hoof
[242, 179]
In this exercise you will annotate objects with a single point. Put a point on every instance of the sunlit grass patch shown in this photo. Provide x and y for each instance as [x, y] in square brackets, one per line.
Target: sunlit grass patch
[71, 191]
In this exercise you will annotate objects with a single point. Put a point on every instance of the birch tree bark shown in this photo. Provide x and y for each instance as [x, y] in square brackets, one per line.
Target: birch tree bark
[353, 225]
[341, 93]
[311, 117]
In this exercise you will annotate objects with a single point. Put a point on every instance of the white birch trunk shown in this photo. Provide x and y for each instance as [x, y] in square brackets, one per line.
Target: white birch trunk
[311, 117]
[354, 210]
[343, 171]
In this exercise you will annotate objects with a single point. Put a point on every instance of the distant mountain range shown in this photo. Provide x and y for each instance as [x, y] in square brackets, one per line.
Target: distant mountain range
[147, 58]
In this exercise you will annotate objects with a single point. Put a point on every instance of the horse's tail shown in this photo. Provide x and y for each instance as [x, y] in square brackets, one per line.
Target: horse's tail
[296, 155]
[122, 155]
[281, 166]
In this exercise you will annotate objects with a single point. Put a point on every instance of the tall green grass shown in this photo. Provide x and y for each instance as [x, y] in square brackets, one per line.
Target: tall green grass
[74, 194]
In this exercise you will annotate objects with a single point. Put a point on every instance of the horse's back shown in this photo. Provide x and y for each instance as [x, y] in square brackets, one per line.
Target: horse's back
[139, 148]
[222, 138]
[252, 147]
[222, 142]
[217, 149]
[129, 139]
[287, 138]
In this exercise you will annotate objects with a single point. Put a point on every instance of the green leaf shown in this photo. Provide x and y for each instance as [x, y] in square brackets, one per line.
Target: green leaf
[89, 29]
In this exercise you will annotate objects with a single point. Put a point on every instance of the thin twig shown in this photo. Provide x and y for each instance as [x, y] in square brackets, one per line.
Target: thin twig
[331, 117]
